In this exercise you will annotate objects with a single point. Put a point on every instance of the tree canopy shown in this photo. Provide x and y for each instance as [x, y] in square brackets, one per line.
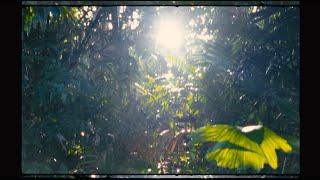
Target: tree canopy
[120, 89]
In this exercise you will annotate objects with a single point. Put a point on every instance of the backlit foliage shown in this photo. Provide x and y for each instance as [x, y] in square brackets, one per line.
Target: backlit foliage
[100, 94]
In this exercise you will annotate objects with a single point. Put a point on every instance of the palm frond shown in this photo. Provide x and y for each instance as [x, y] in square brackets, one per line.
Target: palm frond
[250, 146]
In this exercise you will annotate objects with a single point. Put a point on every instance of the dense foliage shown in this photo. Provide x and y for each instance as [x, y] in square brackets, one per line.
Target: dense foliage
[99, 96]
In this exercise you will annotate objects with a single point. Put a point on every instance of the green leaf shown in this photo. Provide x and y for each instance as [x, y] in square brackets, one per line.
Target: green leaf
[184, 158]
[270, 143]
[221, 132]
[255, 133]
[172, 125]
[250, 146]
[165, 105]
[231, 156]
[190, 99]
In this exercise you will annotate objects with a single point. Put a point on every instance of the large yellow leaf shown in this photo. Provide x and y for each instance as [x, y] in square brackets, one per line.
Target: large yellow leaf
[235, 158]
[271, 141]
[221, 133]
[250, 146]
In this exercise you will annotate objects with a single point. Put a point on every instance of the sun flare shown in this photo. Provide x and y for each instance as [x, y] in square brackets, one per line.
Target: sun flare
[170, 34]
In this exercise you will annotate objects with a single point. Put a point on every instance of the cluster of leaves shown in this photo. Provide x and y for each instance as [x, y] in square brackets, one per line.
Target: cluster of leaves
[250, 76]
[73, 97]
[253, 69]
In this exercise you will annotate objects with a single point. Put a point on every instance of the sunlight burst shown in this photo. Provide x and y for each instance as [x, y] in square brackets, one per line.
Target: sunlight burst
[170, 34]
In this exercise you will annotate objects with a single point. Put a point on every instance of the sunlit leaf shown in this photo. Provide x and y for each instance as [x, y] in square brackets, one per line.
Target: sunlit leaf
[220, 133]
[190, 98]
[179, 114]
[165, 105]
[172, 124]
[270, 143]
[158, 89]
[234, 157]
[196, 112]
[250, 146]
[184, 158]
[150, 79]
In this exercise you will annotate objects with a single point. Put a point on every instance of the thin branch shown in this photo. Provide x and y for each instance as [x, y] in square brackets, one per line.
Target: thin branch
[74, 57]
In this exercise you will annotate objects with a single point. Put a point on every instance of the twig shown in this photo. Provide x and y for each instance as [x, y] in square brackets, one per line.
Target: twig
[76, 53]
[284, 164]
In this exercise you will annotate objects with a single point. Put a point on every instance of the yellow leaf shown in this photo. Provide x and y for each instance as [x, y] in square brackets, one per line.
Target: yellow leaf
[150, 79]
[250, 146]
[179, 114]
[158, 89]
[270, 143]
[221, 132]
[184, 158]
[190, 98]
[235, 158]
